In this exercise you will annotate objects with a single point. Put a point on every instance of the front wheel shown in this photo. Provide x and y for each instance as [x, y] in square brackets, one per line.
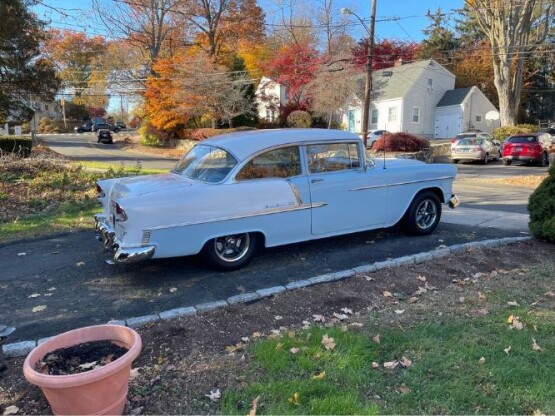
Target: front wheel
[486, 159]
[231, 252]
[423, 215]
[507, 162]
[544, 162]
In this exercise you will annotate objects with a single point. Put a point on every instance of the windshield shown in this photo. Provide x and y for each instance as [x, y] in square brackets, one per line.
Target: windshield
[206, 163]
[471, 142]
[522, 139]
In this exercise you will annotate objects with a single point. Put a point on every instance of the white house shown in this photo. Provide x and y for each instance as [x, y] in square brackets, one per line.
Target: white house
[420, 98]
[270, 96]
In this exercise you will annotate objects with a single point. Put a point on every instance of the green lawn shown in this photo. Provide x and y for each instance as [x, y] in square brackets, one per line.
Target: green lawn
[459, 364]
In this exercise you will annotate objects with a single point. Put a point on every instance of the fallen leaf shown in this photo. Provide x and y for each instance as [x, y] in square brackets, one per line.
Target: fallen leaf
[387, 294]
[256, 335]
[537, 412]
[340, 316]
[294, 350]
[356, 324]
[80, 263]
[135, 372]
[482, 360]
[404, 389]
[88, 366]
[347, 311]
[369, 278]
[137, 411]
[512, 303]
[34, 295]
[278, 317]
[173, 290]
[328, 342]
[399, 311]
[390, 365]
[245, 339]
[481, 296]
[279, 346]
[376, 339]
[461, 299]
[240, 346]
[510, 319]
[275, 332]
[421, 278]
[318, 318]
[254, 405]
[483, 311]
[39, 308]
[549, 294]
[214, 395]
[516, 323]
[413, 299]
[507, 350]
[160, 360]
[21, 254]
[420, 291]
[535, 346]
[477, 275]
[319, 376]
[405, 362]
[295, 399]
[375, 365]
[11, 410]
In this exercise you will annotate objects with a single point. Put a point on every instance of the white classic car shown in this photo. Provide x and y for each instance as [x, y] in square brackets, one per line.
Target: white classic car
[234, 193]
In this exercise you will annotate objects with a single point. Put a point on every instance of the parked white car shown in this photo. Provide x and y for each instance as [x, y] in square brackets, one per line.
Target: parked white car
[234, 193]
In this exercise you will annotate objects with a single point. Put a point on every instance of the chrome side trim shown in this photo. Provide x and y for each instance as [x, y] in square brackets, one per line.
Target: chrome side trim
[238, 217]
[363, 188]
[296, 193]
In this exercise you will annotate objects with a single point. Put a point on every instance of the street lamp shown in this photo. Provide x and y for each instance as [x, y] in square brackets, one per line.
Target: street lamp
[369, 59]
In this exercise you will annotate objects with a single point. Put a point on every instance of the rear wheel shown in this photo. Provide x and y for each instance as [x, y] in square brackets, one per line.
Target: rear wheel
[423, 215]
[231, 252]
[486, 159]
[455, 160]
[507, 162]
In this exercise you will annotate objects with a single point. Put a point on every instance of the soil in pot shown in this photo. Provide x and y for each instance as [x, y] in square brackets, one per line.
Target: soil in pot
[79, 358]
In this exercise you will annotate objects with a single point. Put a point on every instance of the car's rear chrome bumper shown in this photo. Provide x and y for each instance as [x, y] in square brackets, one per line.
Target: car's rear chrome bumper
[453, 202]
[107, 235]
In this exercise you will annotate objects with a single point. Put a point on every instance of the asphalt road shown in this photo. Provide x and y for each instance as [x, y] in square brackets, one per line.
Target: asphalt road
[67, 279]
[84, 147]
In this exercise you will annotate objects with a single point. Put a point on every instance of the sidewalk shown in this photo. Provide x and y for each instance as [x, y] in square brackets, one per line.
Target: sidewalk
[485, 218]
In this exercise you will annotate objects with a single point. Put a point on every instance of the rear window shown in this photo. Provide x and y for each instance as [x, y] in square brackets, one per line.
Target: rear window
[522, 139]
[465, 135]
[470, 142]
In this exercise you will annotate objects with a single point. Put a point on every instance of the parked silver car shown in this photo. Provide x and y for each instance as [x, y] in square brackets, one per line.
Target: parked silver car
[481, 149]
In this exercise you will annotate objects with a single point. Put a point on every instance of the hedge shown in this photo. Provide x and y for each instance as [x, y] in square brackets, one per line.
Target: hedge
[18, 145]
[501, 133]
[541, 206]
[400, 142]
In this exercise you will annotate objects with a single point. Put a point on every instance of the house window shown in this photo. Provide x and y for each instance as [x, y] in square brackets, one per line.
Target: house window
[478, 119]
[285, 94]
[374, 116]
[430, 82]
[392, 114]
[45, 107]
[416, 115]
[268, 115]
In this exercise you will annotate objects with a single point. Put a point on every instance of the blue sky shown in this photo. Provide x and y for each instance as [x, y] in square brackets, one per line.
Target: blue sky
[412, 14]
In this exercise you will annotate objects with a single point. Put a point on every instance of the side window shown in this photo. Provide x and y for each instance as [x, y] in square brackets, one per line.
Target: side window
[332, 157]
[277, 163]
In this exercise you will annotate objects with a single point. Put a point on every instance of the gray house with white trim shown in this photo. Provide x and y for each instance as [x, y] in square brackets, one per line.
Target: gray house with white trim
[419, 98]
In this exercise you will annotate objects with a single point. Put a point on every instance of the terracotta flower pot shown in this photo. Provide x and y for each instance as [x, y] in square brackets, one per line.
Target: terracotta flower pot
[100, 391]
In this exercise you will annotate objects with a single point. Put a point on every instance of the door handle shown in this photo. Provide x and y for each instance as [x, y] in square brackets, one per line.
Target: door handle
[316, 180]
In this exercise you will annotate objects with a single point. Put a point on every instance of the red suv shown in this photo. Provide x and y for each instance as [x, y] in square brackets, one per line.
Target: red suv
[527, 147]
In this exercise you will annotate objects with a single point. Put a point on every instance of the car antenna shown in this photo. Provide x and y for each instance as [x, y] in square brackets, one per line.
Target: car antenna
[384, 139]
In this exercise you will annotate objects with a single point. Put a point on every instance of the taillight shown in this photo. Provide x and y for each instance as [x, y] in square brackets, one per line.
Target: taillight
[99, 192]
[119, 212]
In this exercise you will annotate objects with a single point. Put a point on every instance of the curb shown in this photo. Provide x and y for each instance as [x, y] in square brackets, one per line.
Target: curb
[20, 349]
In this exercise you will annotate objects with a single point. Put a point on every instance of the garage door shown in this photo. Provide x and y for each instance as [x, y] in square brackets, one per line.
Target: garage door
[447, 126]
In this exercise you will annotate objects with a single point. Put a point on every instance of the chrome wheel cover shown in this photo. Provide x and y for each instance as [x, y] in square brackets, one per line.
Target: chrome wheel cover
[232, 248]
[426, 214]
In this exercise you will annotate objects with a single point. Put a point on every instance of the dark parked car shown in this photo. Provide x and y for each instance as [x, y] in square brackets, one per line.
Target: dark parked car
[104, 136]
[106, 126]
[85, 127]
[527, 147]
[120, 125]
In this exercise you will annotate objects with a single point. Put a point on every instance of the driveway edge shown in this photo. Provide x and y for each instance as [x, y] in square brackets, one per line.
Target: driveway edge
[22, 348]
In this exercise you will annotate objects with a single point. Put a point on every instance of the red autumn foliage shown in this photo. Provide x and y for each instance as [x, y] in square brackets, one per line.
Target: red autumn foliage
[400, 142]
[386, 52]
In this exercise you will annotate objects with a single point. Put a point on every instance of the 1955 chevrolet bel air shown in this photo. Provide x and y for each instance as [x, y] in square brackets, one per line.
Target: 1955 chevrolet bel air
[234, 193]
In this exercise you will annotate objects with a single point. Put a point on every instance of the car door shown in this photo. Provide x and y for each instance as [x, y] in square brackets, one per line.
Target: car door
[345, 196]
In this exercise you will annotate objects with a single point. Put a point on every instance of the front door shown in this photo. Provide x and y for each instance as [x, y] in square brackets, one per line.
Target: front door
[352, 121]
[344, 196]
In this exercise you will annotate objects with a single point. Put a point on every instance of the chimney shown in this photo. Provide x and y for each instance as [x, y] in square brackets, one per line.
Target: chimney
[399, 62]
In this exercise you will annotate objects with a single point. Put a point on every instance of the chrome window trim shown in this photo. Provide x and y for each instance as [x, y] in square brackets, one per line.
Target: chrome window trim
[206, 182]
[361, 159]
[238, 217]
[241, 165]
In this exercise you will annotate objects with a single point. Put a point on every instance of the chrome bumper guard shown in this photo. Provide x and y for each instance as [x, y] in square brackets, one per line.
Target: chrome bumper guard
[453, 202]
[106, 234]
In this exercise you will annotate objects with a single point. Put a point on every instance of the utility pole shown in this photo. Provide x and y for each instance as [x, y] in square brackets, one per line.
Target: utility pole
[369, 61]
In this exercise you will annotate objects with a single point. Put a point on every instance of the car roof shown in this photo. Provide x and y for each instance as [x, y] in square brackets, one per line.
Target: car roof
[526, 134]
[245, 143]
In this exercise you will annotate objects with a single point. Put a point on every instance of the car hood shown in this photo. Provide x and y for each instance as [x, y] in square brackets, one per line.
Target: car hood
[142, 185]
